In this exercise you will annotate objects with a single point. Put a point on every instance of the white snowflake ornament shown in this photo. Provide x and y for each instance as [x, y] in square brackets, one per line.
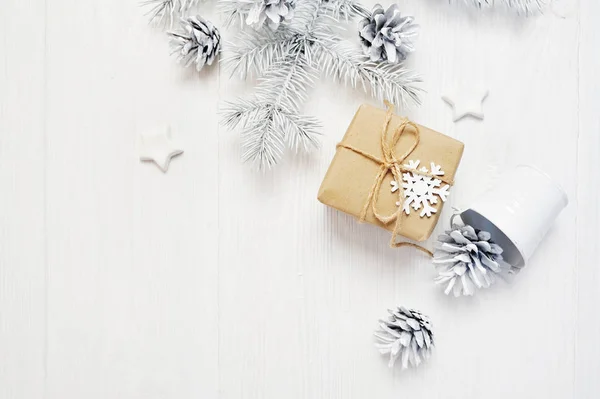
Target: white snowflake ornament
[421, 192]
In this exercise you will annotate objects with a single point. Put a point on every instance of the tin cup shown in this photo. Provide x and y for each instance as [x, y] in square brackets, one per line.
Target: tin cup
[518, 211]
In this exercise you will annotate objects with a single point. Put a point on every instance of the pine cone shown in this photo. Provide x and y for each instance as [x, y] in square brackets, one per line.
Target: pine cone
[198, 42]
[273, 12]
[467, 258]
[385, 35]
[406, 334]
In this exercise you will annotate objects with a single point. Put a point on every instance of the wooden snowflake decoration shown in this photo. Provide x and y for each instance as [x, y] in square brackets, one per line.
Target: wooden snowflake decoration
[421, 192]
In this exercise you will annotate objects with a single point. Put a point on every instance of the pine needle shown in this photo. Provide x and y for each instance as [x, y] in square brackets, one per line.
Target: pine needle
[236, 11]
[165, 11]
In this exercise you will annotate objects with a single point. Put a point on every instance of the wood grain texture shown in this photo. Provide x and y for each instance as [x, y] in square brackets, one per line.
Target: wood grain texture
[132, 304]
[587, 350]
[22, 200]
[213, 281]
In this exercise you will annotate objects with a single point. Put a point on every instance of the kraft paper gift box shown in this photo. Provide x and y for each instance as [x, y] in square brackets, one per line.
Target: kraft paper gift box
[352, 175]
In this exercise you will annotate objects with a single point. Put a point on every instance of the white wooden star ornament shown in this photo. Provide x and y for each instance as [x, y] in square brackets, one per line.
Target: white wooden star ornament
[467, 103]
[158, 148]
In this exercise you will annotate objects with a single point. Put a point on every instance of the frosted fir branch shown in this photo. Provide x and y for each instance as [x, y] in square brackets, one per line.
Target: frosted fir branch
[271, 119]
[383, 81]
[236, 11]
[344, 9]
[521, 6]
[391, 82]
[161, 11]
[165, 11]
[286, 83]
[311, 12]
[287, 61]
[255, 51]
[237, 114]
[262, 142]
[267, 129]
[285, 86]
[303, 132]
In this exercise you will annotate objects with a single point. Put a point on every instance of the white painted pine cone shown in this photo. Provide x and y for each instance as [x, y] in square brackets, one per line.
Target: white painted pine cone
[466, 259]
[386, 35]
[406, 335]
[198, 42]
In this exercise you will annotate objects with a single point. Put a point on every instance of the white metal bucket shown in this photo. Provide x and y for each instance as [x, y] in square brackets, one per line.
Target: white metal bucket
[518, 211]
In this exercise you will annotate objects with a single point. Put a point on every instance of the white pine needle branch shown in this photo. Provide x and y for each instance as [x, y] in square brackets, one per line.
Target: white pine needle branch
[271, 118]
[344, 9]
[302, 131]
[255, 51]
[165, 11]
[236, 11]
[262, 142]
[286, 83]
[384, 81]
[287, 62]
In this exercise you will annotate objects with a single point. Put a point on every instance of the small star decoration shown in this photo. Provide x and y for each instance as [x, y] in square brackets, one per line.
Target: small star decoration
[468, 104]
[158, 148]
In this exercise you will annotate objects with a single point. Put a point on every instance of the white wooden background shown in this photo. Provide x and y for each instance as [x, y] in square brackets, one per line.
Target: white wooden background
[213, 281]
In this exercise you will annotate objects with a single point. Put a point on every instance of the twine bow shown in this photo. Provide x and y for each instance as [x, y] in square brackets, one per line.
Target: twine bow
[391, 163]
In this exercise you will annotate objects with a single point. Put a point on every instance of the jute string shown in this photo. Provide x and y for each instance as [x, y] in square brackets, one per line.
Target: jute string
[392, 163]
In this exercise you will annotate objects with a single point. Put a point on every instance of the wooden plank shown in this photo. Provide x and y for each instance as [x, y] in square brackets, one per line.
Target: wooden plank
[22, 232]
[132, 254]
[587, 350]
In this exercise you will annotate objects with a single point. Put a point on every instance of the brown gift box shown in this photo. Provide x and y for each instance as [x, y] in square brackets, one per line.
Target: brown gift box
[351, 176]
